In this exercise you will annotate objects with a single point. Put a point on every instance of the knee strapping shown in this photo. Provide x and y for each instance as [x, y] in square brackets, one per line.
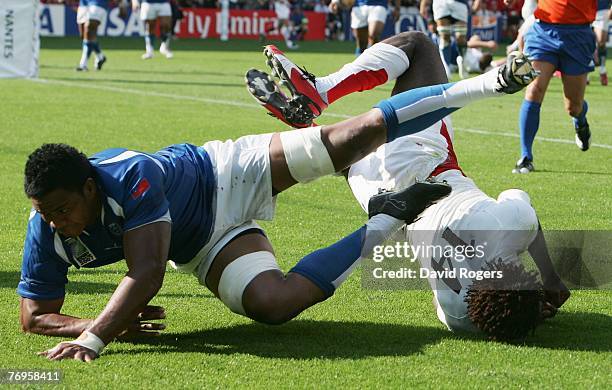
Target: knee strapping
[239, 273]
[306, 155]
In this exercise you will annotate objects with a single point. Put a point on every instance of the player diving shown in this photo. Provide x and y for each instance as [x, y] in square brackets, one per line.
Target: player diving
[507, 309]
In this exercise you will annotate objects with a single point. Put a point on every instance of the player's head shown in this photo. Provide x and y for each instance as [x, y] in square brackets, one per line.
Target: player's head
[59, 181]
[485, 61]
[508, 308]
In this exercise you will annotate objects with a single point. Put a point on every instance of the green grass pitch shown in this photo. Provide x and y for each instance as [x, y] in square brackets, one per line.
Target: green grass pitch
[358, 338]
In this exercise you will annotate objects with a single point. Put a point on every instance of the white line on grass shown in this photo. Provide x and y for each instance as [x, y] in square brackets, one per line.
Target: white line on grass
[252, 105]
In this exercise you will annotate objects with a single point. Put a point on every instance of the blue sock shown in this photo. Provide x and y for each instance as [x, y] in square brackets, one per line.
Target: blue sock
[580, 120]
[402, 120]
[327, 268]
[324, 266]
[95, 47]
[164, 37]
[87, 48]
[529, 121]
[447, 54]
[358, 52]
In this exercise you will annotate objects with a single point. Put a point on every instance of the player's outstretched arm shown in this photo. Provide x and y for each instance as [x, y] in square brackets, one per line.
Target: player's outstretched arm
[555, 291]
[44, 317]
[146, 250]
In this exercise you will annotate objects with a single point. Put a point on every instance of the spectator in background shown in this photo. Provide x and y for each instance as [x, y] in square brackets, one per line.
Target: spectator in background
[298, 25]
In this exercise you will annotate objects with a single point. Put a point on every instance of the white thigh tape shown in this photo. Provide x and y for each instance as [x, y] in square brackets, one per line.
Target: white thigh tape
[90, 341]
[307, 157]
[239, 273]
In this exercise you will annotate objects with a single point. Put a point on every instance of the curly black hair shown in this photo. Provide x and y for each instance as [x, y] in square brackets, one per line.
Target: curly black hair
[55, 166]
[509, 308]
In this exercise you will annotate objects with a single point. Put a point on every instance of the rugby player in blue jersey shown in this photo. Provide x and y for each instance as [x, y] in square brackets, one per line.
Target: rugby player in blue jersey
[90, 14]
[368, 19]
[197, 207]
[152, 11]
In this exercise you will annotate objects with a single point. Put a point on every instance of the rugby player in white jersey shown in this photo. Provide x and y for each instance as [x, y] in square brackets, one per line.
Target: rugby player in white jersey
[507, 225]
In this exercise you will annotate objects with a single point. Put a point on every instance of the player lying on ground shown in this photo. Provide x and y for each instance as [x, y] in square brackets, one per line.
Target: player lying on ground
[509, 224]
[197, 206]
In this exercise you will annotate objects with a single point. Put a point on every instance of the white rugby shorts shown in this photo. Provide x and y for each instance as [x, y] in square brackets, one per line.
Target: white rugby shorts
[601, 20]
[81, 16]
[455, 9]
[363, 15]
[243, 194]
[152, 11]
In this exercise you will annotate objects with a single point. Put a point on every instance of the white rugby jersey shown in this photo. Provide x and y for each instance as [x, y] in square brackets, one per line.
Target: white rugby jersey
[503, 228]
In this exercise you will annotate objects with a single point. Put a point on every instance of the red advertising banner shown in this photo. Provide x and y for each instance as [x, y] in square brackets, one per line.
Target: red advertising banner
[243, 24]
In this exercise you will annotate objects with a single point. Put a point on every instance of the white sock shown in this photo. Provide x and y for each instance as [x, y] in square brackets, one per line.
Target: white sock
[375, 66]
[84, 58]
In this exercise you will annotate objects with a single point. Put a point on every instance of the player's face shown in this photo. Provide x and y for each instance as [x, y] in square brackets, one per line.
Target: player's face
[69, 211]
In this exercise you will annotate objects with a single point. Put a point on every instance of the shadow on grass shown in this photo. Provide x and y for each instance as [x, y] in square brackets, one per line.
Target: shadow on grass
[181, 72]
[302, 339]
[154, 82]
[564, 171]
[575, 331]
[305, 339]
[201, 45]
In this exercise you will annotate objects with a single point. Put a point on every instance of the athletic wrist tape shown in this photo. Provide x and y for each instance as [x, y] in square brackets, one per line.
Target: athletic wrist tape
[90, 341]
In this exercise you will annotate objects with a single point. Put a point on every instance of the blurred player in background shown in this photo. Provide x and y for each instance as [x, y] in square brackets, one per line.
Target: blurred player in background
[600, 26]
[283, 13]
[368, 19]
[560, 39]
[154, 12]
[507, 225]
[81, 17]
[92, 12]
[478, 57]
[451, 18]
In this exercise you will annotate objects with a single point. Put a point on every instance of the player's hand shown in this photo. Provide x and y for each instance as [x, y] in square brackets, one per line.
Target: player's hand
[396, 14]
[556, 293]
[333, 7]
[123, 11]
[141, 327]
[67, 350]
[424, 10]
[548, 310]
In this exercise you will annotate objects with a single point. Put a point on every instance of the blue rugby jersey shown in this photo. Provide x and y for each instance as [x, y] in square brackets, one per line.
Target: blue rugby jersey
[603, 4]
[176, 184]
[383, 3]
[99, 3]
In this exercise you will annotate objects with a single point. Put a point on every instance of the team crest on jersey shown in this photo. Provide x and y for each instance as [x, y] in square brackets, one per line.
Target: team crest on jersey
[80, 252]
[142, 187]
[115, 229]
